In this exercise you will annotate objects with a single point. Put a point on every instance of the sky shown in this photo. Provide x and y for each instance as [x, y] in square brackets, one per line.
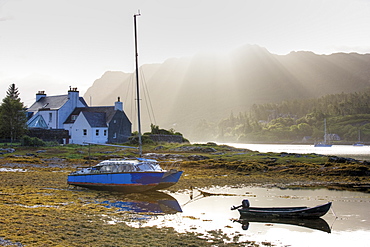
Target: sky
[50, 45]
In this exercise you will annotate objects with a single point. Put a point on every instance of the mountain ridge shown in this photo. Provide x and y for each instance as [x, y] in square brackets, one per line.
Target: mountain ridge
[184, 91]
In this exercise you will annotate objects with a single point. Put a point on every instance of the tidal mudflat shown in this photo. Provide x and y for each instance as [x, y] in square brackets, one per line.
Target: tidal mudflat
[38, 208]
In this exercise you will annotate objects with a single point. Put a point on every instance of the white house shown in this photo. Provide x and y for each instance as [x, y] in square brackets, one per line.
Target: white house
[99, 124]
[50, 112]
[104, 124]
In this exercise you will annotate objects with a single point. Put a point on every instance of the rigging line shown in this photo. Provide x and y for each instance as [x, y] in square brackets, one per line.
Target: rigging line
[148, 97]
[126, 99]
[145, 93]
[131, 92]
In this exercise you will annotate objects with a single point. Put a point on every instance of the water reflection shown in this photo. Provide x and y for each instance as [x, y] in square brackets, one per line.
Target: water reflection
[153, 203]
[316, 224]
[208, 210]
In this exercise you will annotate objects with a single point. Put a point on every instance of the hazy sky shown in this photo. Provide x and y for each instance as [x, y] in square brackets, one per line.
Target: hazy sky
[53, 44]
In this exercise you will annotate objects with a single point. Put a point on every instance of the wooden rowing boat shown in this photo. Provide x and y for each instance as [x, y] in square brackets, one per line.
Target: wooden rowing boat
[285, 212]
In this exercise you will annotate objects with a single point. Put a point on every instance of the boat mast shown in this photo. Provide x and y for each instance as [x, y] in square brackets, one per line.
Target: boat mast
[137, 87]
[325, 131]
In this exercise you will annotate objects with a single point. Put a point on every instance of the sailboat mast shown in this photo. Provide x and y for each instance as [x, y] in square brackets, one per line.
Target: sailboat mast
[325, 131]
[137, 87]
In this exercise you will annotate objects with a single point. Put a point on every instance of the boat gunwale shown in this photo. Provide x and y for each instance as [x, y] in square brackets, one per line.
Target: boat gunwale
[106, 173]
[303, 212]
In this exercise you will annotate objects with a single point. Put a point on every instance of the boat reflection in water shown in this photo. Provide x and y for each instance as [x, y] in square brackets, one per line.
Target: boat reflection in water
[157, 203]
[314, 223]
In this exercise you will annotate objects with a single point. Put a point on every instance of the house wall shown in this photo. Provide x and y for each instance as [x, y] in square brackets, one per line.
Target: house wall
[50, 121]
[119, 129]
[78, 134]
[100, 138]
[69, 128]
[67, 109]
[77, 131]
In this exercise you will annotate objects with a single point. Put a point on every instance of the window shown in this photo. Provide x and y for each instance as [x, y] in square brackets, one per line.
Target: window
[97, 132]
[74, 117]
[50, 116]
[115, 135]
[84, 132]
[105, 132]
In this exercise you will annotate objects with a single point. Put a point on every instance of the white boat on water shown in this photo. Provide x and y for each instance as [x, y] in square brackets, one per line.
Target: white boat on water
[324, 143]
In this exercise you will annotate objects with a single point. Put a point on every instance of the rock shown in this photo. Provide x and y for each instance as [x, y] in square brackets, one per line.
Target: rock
[4, 242]
[163, 156]
[337, 159]
[7, 150]
[158, 148]
[195, 149]
[197, 157]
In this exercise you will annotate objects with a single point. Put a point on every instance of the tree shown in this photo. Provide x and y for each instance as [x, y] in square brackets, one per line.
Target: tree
[12, 115]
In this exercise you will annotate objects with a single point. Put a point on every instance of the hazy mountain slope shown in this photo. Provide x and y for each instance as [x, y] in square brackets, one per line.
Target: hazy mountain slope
[211, 86]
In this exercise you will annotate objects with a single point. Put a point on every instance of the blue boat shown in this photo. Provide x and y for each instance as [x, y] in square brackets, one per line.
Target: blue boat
[321, 144]
[125, 176]
[170, 178]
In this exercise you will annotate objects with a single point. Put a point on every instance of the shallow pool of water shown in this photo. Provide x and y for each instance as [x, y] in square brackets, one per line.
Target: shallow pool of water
[348, 221]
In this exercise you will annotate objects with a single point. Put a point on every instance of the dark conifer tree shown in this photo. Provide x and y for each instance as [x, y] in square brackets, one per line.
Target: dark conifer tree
[12, 115]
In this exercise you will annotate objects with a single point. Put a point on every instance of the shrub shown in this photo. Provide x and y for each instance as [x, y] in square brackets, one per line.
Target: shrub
[32, 142]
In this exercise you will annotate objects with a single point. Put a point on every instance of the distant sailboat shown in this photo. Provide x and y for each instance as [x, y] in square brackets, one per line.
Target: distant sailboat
[359, 143]
[324, 143]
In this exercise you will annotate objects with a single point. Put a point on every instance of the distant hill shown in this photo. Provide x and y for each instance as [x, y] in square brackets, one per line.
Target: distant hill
[183, 91]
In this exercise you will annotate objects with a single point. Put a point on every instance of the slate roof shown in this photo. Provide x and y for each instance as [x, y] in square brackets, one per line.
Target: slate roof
[51, 102]
[109, 112]
[95, 119]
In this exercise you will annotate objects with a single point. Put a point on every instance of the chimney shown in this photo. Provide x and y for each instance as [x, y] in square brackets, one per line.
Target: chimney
[73, 96]
[40, 94]
[118, 105]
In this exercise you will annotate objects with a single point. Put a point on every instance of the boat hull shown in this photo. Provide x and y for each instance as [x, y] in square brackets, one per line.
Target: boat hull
[170, 178]
[286, 212]
[323, 145]
[125, 182]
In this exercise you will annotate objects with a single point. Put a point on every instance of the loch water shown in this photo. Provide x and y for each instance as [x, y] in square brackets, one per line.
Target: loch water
[208, 210]
[348, 151]
[346, 224]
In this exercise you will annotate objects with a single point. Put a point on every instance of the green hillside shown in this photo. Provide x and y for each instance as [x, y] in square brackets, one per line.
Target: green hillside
[347, 116]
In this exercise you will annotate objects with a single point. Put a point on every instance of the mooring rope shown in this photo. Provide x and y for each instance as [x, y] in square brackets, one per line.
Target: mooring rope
[332, 210]
[336, 217]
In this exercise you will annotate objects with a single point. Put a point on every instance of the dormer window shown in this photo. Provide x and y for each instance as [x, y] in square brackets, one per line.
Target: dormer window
[74, 117]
